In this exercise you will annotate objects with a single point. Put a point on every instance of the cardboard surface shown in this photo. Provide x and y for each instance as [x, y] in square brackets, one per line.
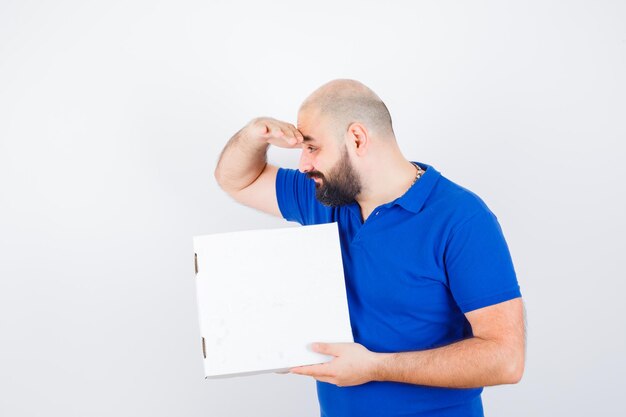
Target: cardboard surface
[265, 295]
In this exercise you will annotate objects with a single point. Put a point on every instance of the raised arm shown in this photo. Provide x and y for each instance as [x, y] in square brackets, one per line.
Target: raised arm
[242, 170]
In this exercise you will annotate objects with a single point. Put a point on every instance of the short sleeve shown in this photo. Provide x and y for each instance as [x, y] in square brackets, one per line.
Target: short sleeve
[478, 263]
[296, 198]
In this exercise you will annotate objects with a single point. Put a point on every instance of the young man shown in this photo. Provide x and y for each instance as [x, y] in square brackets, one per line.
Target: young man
[435, 306]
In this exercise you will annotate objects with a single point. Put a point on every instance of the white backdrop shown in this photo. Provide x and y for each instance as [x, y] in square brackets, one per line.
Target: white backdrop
[113, 114]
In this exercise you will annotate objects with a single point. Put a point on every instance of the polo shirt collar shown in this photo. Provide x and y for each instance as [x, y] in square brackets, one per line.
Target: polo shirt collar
[413, 200]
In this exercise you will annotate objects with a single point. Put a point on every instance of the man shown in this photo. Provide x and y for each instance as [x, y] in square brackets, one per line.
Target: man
[435, 307]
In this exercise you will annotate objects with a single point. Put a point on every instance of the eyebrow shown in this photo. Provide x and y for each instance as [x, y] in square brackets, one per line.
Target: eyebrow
[308, 139]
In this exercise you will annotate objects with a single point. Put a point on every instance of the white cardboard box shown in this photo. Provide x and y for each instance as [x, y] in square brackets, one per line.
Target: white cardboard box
[265, 295]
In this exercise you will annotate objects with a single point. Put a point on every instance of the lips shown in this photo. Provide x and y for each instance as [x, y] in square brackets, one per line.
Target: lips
[318, 181]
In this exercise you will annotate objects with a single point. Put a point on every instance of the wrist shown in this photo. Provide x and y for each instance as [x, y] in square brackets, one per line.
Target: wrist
[252, 139]
[382, 364]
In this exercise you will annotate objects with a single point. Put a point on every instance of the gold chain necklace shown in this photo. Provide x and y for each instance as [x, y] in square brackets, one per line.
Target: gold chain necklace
[418, 174]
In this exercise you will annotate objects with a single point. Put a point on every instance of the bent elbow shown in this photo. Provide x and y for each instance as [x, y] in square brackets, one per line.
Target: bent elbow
[514, 371]
[222, 181]
[218, 176]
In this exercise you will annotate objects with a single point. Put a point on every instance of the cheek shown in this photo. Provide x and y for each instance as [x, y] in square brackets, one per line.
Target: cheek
[313, 160]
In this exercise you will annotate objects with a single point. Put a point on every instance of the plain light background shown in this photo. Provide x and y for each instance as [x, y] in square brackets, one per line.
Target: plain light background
[112, 117]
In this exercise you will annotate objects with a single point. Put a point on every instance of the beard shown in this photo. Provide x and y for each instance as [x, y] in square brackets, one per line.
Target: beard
[340, 186]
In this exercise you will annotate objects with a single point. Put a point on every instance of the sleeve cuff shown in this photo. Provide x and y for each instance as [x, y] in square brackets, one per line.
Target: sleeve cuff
[466, 307]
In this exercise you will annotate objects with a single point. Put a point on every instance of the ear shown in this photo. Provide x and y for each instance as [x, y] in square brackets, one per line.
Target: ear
[358, 137]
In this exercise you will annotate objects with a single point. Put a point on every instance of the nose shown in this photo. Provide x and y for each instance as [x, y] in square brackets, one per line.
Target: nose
[305, 162]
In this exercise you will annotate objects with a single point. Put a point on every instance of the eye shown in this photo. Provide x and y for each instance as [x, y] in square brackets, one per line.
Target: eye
[311, 149]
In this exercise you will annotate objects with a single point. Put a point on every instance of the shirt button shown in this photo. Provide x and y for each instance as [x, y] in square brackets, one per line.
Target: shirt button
[376, 214]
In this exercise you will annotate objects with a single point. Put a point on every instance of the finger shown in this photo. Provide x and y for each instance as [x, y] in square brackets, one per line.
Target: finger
[297, 136]
[326, 348]
[321, 370]
[276, 132]
[291, 139]
[302, 370]
[290, 135]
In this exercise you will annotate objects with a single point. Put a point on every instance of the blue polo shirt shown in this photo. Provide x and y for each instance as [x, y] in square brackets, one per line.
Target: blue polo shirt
[412, 270]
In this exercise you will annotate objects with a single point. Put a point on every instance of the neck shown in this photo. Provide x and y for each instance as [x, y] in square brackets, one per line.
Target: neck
[385, 182]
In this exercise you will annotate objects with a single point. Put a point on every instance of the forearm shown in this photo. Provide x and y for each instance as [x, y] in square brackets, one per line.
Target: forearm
[241, 161]
[469, 363]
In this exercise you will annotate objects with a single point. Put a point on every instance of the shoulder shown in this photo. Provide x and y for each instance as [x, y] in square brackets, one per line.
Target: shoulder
[457, 203]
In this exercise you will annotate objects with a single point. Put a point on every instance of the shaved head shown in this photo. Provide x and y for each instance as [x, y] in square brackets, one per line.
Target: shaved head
[343, 101]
